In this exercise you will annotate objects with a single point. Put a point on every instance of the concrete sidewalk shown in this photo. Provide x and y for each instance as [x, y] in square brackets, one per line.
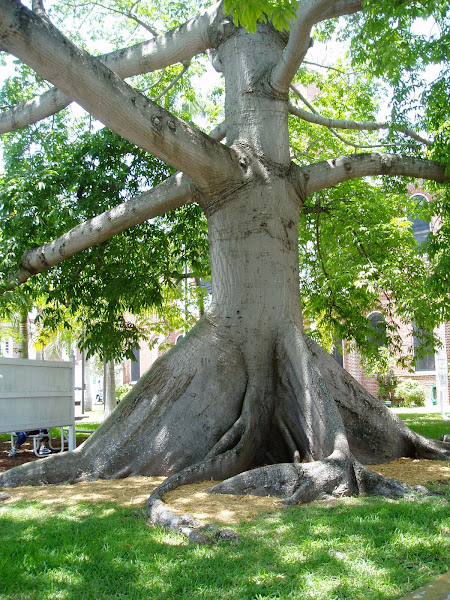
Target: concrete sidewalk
[96, 415]
[438, 589]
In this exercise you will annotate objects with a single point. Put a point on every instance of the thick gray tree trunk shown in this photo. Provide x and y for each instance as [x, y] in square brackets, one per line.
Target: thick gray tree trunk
[246, 387]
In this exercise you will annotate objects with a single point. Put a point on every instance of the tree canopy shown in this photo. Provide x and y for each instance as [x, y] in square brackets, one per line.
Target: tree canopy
[356, 244]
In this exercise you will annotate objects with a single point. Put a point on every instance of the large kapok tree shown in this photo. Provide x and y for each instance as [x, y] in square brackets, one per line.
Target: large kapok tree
[247, 398]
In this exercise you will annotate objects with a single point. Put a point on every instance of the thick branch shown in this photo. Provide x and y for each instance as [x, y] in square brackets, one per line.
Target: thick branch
[178, 45]
[219, 132]
[309, 13]
[172, 193]
[32, 111]
[108, 98]
[328, 173]
[38, 8]
[355, 125]
[342, 8]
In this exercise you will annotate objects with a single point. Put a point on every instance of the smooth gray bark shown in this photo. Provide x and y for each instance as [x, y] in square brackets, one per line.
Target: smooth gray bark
[246, 387]
[179, 45]
[87, 383]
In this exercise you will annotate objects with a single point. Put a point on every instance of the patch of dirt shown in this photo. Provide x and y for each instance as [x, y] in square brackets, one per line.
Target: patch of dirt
[228, 509]
[25, 453]
[220, 508]
[415, 471]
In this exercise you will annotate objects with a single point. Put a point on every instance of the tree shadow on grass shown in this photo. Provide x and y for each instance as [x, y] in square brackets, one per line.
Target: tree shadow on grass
[347, 549]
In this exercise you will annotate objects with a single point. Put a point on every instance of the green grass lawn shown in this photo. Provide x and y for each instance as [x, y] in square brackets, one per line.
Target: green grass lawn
[429, 424]
[368, 549]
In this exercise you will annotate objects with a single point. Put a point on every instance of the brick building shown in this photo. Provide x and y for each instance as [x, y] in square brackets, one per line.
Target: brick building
[147, 353]
[425, 371]
[429, 370]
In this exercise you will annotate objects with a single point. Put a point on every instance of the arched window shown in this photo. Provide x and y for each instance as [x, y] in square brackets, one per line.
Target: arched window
[420, 227]
[179, 338]
[378, 331]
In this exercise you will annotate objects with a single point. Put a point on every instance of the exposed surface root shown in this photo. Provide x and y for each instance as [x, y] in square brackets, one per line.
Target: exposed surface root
[161, 515]
[307, 482]
[215, 466]
[279, 419]
[171, 419]
[375, 434]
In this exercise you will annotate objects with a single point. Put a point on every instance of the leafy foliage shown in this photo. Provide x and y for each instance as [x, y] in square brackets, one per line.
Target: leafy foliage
[358, 255]
[133, 273]
[410, 393]
[357, 251]
[122, 391]
[407, 45]
[249, 13]
[66, 170]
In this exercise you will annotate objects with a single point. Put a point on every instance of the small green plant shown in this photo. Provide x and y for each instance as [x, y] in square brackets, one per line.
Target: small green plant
[386, 388]
[410, 393]
[122, 391]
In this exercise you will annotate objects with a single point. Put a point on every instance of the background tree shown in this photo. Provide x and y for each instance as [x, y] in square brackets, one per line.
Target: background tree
[97, 285]
[247, 387]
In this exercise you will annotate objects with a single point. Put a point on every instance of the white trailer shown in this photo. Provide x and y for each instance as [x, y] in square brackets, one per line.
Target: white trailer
[37, 394]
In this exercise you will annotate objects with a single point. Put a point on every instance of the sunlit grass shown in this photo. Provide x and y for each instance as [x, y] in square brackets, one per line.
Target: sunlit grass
[351, 549]
[429, 424]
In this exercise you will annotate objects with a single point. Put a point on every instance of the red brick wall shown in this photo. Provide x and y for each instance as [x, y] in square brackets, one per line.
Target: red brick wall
[427, 379]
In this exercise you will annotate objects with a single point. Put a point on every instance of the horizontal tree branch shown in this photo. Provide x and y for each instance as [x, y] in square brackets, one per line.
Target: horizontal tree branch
[354, 125]
[176, 46]
[219, 132]
[108, 98]
[21, 115]
[172, 193]
[326, 174]
[342, 8]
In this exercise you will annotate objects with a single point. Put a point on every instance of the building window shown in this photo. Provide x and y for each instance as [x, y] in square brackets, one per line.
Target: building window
[179, 338]
[6, 348]
[136, 365]
[426, 362]
[338, 353]
[420, 227]
[378, 330]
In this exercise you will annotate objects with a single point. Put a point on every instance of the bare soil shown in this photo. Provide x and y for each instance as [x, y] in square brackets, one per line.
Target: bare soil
[134, 491]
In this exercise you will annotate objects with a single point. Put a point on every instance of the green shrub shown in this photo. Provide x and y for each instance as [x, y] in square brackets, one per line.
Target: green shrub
[122, 391]
[386, 387]
[410, 393]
